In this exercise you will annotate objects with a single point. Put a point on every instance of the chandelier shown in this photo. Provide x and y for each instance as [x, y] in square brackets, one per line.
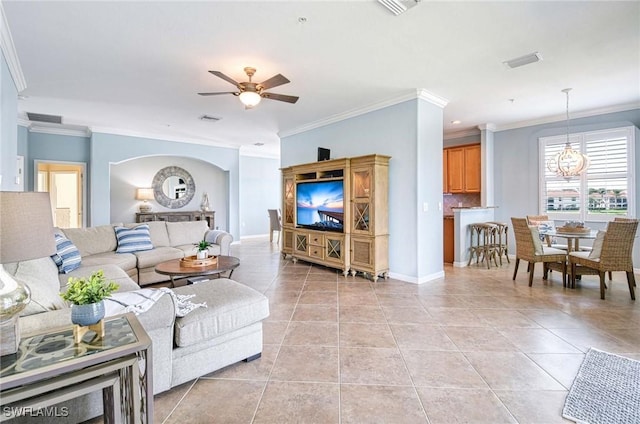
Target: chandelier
[568, 163]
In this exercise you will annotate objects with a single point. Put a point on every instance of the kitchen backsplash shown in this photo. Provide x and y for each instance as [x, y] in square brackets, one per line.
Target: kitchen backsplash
[459, 200]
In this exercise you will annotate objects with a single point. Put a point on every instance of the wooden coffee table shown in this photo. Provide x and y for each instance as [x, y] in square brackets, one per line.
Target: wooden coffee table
[175, 269]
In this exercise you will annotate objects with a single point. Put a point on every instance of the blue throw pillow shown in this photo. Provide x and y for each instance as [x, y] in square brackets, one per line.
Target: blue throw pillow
[67, 256]
[133, 239]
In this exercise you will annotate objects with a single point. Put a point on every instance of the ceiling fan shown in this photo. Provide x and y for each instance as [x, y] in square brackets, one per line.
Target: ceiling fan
[250, 93]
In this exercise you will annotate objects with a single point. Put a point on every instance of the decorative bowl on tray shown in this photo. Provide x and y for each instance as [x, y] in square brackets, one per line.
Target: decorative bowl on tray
[192, 261]
[573, 230]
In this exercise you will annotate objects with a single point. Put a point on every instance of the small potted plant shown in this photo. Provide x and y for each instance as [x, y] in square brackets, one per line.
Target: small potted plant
[203, 249]
[86, 296]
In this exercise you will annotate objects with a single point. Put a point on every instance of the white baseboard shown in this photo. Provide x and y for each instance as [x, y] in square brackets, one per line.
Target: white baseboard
[416, 280]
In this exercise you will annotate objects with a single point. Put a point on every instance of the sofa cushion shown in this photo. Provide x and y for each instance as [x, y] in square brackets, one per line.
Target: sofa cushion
[41, 276]
[126, 261]
[151, 258]
[230, 306]
[133, 239]
[158, 232]
[111, 273]
[92, 240]
[186, 232]
[67, 256]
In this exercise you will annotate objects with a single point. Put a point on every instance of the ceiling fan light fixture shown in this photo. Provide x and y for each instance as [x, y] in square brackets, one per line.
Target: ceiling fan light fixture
[250, 98]
[568, 163]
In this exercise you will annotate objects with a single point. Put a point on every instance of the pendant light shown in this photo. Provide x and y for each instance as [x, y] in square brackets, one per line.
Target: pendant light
[568, 163]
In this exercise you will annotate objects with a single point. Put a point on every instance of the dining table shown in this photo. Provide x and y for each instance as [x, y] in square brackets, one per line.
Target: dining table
[573, 239]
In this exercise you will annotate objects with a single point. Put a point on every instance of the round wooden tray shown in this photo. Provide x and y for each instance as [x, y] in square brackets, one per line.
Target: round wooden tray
[573, 230]
[192, 261]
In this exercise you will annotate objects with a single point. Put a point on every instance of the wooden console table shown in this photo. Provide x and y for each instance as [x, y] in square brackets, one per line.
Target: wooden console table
[178, 216]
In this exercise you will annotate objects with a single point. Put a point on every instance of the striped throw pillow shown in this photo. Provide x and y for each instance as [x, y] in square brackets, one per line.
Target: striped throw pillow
[67, 256]
[133, 239]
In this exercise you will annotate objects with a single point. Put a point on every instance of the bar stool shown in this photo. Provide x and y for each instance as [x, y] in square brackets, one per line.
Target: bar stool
[483, 246]
[502, 244]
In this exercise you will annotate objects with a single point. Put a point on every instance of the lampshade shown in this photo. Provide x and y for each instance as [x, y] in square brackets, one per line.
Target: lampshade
[144, 194]
[26, 232]
[568, 162]
[26, 226]
[250, 98]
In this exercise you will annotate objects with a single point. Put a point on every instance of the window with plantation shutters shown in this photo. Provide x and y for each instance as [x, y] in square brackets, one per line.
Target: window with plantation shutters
[604, 191]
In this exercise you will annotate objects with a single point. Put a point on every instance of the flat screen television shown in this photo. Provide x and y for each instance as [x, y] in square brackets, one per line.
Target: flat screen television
[320, 205]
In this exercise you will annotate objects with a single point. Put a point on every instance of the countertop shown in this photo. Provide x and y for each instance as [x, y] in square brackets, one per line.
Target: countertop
[474, 207]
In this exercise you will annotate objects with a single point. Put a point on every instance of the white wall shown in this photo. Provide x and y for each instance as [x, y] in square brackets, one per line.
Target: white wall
[125, 177]
[8, 129]
[411, 133]
[260, 189]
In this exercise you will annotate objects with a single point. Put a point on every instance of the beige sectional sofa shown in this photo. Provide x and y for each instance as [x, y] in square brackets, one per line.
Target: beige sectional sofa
[227, 330]
[171, 240]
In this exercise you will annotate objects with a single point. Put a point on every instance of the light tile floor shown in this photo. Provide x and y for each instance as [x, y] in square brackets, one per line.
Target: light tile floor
[474, 347]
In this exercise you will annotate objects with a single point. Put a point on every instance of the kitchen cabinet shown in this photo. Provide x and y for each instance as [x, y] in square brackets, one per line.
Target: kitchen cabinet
[448, 240]
[462, 169]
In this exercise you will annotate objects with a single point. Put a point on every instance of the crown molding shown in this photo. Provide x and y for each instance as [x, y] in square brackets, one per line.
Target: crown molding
[432, 98]
[417, 94]
[9, 51]
[487, 127]
[68, 130]
[156, 136]
[574, 115]
[462, 133]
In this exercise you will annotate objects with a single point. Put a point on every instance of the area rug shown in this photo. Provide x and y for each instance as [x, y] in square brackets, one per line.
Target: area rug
[606, 390]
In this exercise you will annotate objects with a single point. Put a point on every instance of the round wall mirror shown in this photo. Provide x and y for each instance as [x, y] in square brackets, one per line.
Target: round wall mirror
[173, 187]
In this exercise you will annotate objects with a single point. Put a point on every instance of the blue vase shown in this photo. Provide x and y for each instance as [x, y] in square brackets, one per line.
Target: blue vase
[86, 315]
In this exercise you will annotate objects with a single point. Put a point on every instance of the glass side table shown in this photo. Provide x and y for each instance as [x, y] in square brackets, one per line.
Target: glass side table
[49, 368]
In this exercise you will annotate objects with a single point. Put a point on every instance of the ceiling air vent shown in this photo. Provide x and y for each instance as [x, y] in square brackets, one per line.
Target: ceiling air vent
[41, 117]
[523, 60]
[209, 118]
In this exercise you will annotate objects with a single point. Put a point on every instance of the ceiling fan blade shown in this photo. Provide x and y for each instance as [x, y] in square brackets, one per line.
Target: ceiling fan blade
[274, 81]
[280, 97]
[226, 78]
[220, 92]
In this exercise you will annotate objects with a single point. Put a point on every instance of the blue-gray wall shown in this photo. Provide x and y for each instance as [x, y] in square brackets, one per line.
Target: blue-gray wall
[259, 190]
[109, 148]
[411, 133]
[516, 164]
[8, 129]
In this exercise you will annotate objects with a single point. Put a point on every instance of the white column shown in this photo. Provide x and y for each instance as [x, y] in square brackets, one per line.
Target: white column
[486, 157]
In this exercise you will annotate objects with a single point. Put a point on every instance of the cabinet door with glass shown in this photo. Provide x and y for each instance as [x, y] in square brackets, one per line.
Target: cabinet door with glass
[361, 200]
[289, 200]
[334, 248]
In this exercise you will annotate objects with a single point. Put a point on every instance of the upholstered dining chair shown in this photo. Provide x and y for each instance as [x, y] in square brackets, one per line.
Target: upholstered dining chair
[275, 223]
[537, 220]
[529, 248]
[614, 255]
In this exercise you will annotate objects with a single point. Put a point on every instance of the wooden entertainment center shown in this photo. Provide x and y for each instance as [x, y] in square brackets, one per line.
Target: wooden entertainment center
[363, 243]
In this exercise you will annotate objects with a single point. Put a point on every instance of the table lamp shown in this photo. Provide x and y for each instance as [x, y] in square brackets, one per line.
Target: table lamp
[145, 194]
[26, 232]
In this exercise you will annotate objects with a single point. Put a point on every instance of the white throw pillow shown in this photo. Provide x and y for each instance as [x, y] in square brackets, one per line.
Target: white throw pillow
[597, 245]
[537, 243]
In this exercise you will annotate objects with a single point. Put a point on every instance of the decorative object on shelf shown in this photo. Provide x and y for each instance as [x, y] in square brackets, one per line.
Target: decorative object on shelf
[204, 204]
[568, 163]
[173, 187]
[26, 232]
[87, 297]
[144, 194]
[203, 249]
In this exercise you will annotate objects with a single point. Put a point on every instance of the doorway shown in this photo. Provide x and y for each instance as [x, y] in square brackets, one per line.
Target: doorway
[65, 183]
